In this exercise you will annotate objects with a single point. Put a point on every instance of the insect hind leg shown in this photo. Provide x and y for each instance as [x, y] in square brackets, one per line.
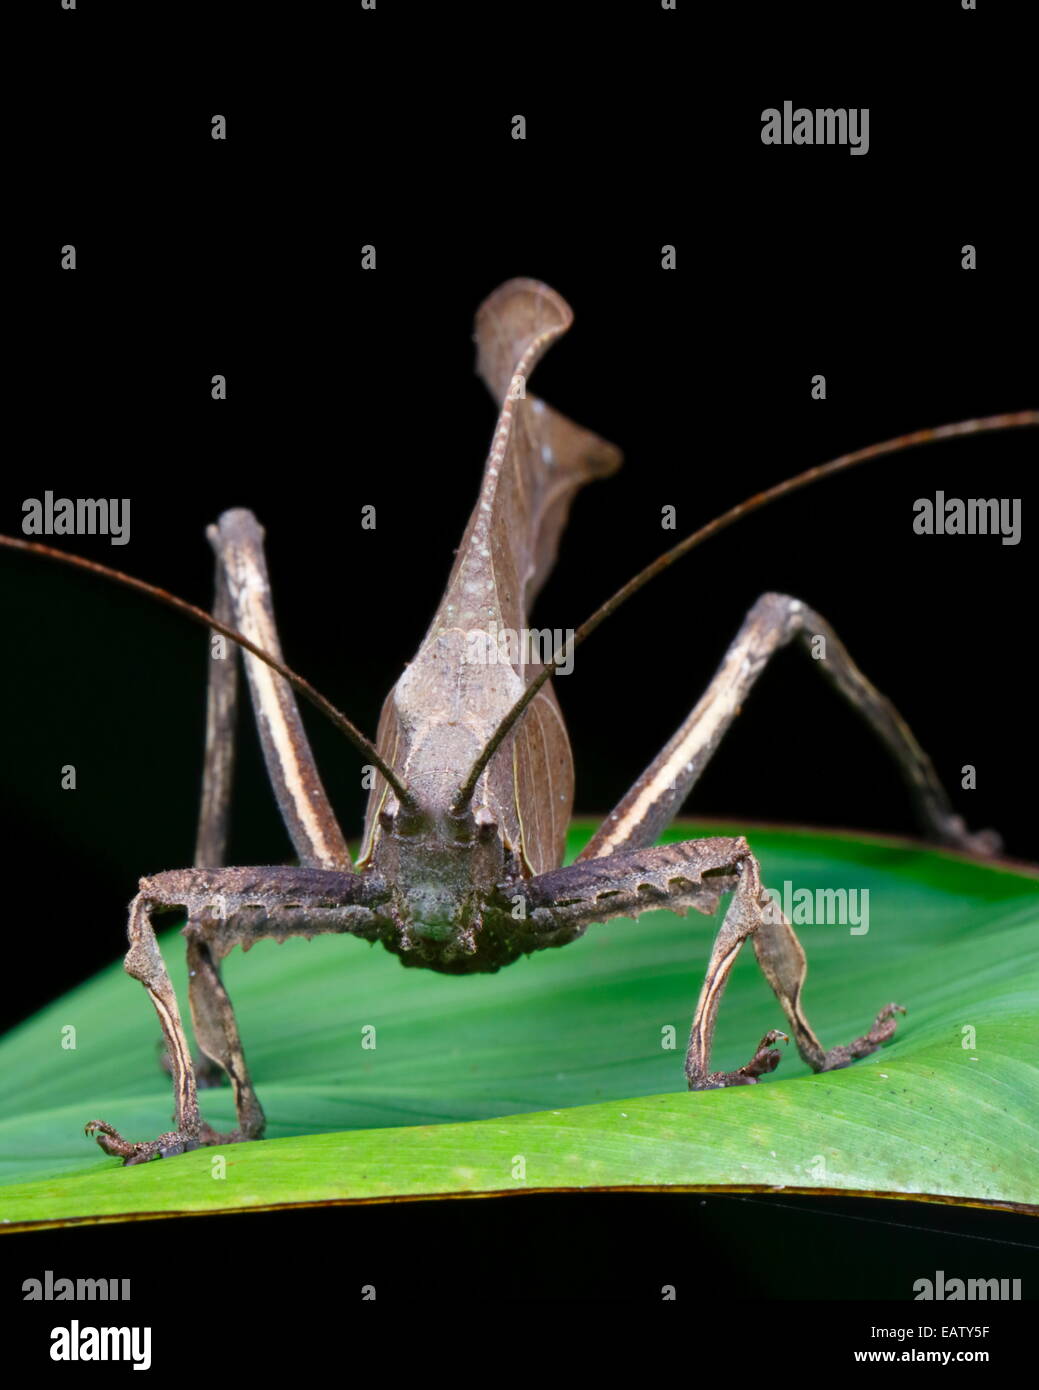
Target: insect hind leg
[773, 622]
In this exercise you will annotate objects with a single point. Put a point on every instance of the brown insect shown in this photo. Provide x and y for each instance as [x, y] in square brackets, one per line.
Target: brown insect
[460, 869]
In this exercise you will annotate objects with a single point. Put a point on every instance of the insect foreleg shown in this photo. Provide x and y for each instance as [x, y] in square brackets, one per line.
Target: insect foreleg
[225, 908]
[694, 874]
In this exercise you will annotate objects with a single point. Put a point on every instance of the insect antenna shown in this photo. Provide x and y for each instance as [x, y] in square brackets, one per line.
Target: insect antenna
[720, 523]
[363, 745]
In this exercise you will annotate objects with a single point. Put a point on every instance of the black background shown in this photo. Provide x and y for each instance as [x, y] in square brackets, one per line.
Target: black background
[347, 388]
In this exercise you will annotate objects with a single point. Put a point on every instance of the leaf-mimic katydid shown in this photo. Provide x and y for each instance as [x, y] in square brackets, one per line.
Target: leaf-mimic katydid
[460, 866]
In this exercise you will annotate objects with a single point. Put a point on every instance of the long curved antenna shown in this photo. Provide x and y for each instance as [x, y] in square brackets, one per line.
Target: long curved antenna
[726, 519]
[363, 745]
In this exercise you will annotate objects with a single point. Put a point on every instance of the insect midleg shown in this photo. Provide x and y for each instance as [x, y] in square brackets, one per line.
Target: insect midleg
[216, 1028]
[773, 622]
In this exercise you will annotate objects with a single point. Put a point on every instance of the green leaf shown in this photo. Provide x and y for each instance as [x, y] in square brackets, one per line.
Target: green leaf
[554, 1073]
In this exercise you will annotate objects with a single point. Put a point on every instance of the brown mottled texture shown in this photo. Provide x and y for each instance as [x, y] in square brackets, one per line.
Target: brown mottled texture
[441, 712]
[460, 869]
[218, 766]
[226, 908]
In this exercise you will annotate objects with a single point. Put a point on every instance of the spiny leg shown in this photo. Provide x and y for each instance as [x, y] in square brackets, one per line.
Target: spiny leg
[774, 621]
[771, 624]
[243, 600]
[226, 907]
[561, 904]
